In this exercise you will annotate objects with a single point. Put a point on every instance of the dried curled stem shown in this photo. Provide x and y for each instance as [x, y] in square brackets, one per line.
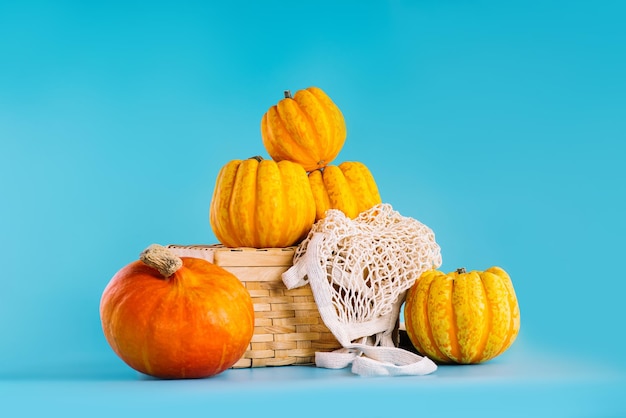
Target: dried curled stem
[162, 259]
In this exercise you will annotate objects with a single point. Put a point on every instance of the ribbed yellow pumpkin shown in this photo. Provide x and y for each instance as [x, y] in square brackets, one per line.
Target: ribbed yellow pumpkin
[462, 317]
[308, 129]
[261, 204]
[349, 187]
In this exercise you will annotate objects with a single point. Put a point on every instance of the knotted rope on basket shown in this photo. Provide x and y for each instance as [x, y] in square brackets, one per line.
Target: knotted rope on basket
[359, 271]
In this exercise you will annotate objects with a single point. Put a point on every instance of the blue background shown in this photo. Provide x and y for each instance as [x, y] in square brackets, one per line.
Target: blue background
[501, 125]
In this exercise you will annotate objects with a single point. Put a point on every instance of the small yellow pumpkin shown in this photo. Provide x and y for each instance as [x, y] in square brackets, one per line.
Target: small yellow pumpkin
[349, 187]
[307, 128]
[261, 204]
[462, 317]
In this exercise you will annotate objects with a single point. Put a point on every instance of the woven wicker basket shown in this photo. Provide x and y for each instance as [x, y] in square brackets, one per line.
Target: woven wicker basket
[288, 327]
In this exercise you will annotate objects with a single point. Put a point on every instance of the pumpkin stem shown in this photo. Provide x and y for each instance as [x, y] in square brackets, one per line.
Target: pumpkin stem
[461, 270]
[256, 157]
[288, 94]
[162, 259]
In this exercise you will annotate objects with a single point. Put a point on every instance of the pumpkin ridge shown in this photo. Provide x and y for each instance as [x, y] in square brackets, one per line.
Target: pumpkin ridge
[302, 193]
[408, 319]
[513, 304]
[322, 134]
[340, 193]
[486, 324]
[497, 294]
[277, 138]
[326, 110]
[291, 116]
[273, 142]
[512, 330]
[329, 135]
[455, 349]
[268, 182]
[285, 144]
[241, 202]
[357, 185]
[229, 204]
[336, 122]
[359, 174]
[320, 194]
[253, 230]
[512, 335]
[256, 193]
[303, 188]
[221, 199]
[438, 354]
[461, 316]
[294, 215]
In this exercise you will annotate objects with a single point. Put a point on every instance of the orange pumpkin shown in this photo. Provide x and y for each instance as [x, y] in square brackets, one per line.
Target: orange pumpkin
[307, 128]
[174, 318]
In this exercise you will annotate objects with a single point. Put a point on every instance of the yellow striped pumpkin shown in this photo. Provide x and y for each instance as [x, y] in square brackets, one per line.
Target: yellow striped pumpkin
[349, 187]
[308, 129]
[462, 317]
[261, 204]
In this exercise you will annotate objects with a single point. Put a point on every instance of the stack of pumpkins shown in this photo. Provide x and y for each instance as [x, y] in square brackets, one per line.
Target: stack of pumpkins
[274, 203]
[459, 317]
[154, 310]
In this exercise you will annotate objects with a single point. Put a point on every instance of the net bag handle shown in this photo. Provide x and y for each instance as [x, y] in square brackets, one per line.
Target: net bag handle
[376, 361]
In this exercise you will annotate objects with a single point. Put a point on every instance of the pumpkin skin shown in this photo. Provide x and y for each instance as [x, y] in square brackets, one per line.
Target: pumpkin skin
[462, 317]
[308, 129]
[349, 187]
[195, 323]
[262, 204]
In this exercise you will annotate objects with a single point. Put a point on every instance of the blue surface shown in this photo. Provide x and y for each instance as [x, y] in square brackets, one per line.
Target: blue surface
[501, 125]
[522, 382]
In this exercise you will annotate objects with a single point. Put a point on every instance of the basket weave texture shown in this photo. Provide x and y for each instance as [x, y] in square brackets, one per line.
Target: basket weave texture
[288, 329]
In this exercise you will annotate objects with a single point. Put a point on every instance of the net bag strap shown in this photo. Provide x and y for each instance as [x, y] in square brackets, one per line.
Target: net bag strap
[376, 361]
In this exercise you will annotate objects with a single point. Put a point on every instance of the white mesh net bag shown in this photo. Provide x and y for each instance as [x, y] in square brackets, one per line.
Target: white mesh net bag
[359, 271]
